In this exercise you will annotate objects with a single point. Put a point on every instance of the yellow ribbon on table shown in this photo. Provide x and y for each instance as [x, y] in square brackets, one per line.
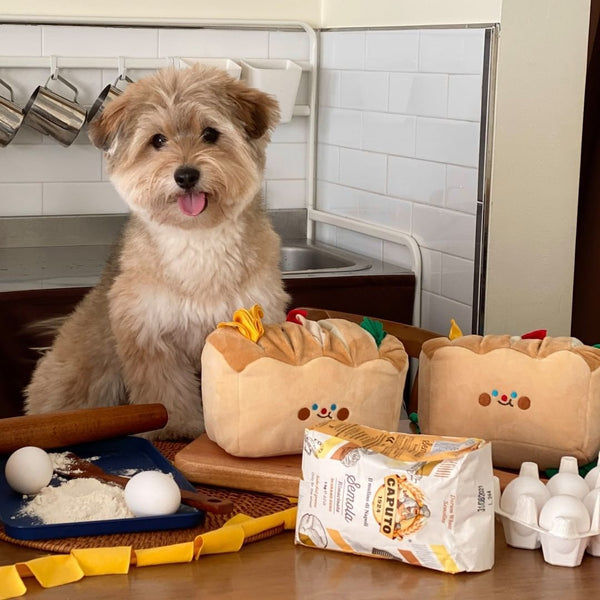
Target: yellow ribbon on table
[11, 584]
[248, 322]
[229, 538]
[51, 571]
[103, 561]
[165, 555]
[60, 569]
[239, 528]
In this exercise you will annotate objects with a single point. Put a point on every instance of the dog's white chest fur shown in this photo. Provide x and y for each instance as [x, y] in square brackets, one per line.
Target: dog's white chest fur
[190, 282]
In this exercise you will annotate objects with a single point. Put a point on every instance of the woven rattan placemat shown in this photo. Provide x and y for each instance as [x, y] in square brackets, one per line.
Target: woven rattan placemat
[249, 503]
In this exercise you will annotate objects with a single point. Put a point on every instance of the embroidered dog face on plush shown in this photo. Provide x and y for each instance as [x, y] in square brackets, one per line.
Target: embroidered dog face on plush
[535, 400]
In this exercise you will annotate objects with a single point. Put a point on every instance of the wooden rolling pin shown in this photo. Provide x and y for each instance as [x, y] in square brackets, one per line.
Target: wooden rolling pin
[57, 429]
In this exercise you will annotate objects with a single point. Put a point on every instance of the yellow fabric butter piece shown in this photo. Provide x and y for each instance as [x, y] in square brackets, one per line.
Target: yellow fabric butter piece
[103, 561]
[11, 584]
[51, 571]
[247, 322]
[455, 330]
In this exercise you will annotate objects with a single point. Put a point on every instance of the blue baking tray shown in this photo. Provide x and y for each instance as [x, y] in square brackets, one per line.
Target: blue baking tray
[118, 456]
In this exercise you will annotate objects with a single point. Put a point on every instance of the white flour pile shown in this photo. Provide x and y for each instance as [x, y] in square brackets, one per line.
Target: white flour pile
[77, 500]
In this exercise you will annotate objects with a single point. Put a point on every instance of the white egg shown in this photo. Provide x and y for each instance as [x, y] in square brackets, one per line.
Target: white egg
[523, 486]
[565, 506]
[151, 494]
[590, 500]
[28, 470]
[570, 484]
[593, 478]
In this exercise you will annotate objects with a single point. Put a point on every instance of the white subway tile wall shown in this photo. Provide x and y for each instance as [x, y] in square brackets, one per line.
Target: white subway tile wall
[398, 145]
[40, 177]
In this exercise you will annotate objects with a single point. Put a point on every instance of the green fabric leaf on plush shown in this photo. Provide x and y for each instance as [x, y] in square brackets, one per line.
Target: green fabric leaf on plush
[414, 419]
[375, 328]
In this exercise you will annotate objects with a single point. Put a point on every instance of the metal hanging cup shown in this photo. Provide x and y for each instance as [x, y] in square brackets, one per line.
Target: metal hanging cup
[55, 115]
[11, 117]
[107, 95]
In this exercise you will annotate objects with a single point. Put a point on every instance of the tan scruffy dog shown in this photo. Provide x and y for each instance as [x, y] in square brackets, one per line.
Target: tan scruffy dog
[186, 150]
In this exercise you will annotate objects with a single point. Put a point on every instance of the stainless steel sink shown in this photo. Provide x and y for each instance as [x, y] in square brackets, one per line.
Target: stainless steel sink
[313, 258]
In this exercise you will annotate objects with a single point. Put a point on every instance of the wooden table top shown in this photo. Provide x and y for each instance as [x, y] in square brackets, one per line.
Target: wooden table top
[276, 569]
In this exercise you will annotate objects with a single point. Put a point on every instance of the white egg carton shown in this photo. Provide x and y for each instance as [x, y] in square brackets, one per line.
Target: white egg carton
[562, 516]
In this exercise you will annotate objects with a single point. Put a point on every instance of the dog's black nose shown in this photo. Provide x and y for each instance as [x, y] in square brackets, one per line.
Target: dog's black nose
[186, 177]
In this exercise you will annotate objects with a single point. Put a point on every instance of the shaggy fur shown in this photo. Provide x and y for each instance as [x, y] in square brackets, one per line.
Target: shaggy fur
[191, 254]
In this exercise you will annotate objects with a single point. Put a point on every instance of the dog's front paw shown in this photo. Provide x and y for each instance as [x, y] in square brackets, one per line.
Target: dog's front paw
[172, 433]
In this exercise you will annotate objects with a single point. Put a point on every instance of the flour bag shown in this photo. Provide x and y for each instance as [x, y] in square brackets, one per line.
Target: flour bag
[419, 499]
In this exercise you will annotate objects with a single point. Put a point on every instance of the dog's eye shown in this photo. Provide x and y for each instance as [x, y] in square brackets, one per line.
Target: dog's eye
[158, 140]
[210, 135]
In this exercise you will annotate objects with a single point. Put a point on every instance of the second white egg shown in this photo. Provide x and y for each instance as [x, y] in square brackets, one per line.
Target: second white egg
[152, 493]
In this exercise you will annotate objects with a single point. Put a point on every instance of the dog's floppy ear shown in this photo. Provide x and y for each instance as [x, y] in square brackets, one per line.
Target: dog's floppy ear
[104, 128]
[258, 111]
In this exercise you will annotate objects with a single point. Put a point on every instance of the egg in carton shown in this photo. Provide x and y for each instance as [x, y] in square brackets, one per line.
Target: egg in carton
[562, 516]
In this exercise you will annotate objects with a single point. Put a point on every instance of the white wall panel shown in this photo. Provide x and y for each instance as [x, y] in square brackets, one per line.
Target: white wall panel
[413, 99]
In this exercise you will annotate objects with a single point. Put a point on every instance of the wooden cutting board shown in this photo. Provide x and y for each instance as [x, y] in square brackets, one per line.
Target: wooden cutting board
[203, 461]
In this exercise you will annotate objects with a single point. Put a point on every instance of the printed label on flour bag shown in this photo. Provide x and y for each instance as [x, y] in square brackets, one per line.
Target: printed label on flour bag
[399, 507]
[423, 500]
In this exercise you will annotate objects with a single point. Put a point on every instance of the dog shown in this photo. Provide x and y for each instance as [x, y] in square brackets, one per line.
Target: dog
[186, 151]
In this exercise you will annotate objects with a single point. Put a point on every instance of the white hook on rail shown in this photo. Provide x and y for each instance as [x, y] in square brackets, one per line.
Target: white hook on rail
[53, 67]
[121, 62]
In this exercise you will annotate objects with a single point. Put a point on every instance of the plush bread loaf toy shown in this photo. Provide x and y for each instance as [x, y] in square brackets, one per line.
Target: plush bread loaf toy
[534, 399]
[262, 386]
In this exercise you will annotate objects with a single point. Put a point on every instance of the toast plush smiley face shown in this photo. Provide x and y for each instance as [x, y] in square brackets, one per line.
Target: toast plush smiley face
[325, 411]
[511, 399]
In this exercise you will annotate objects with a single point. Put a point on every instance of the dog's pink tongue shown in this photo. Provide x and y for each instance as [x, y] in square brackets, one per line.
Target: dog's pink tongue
[192, 203]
